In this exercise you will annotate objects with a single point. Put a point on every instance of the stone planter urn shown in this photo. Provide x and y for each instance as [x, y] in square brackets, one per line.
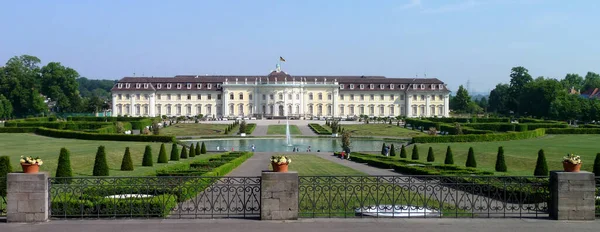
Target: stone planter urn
[30, 168]
[570, 167]
[279, 167]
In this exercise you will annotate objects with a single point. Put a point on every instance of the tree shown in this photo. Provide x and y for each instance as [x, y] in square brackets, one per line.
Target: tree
[573, 81]
[203, 149]
[198, 151]
[147, 160]
[192, 151]
[242, 127]
[5, 168]
[403, 154]
[538, 95]
[127, 162]
[64, 165]
[449, 157]
[483, 103]
[415, 153]
[60, 84]
[596, 165]
[19, 83]
[174, 152]
[100, 164]
[541, 167]
[6, 108]
[591, 81]
[162, 155]
[461, 101]
[383, 149]
[346, 144]
[392, 150]
[471, 163]
[500, 163]
[184, 154]
[430, 155]
[519, 77]
[499, 99]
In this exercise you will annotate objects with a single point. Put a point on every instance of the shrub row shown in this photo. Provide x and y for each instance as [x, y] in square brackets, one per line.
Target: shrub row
[479, 138]
[471, 120]
[17, 129]
[77, 126]
[93, 136]
[590, 126]
[69, 205]
[533, 120]
[502, 127]
[318, 129]
[416, 167]
[250, 128]
[108, 119]
[533, 126]
[416, 123]
[573, 131]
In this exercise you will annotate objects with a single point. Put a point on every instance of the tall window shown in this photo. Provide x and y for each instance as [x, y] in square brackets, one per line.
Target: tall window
[341, 110]
[381, 110]
[392, 110]
[297, 96]
[351, 108]
[231, 109]
[264, 97]
[329, 110]
[231, 96]
[328, 96]
[310, 109]
[208, 110]
[372, 97]
[290, 97]
[188, 109]
[320, 96]
[241, 96]
[414, 110]
[189, 97]
[310, 96]
[178, 96]
[209, 96]
[352, 97]
[241, 109]
[250, 97]
[320, 110]
[432, 110]
[199, 96]
[362, 97]
[280, 96]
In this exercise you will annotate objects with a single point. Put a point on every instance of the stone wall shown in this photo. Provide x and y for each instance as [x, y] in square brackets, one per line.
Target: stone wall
[27, 197]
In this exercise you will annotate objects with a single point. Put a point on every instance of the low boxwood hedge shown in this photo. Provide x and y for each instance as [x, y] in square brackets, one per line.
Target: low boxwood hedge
[573, 131]
[77, 206]
[250, 128]
[318, 129]
[95, 136]
[480, 138]
[17, 129]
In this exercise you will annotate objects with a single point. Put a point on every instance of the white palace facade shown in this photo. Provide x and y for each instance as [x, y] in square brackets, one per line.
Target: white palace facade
[279, 95]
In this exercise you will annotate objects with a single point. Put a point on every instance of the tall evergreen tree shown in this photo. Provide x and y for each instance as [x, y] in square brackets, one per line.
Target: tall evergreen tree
[147, 160]
[415, 153]
[392, 150]
[192, 151]
[127, 162]
[541, 167]
[203, 150]
[100, 164]
[162, 155]
[449, 157]
[174, 152]
[471, 162]
[383, 149]
[403, 154]
[64, 165]
[198, 151]
[5, 168]
[596, 165]
[430, 156]
[184, 154]
[500, 163]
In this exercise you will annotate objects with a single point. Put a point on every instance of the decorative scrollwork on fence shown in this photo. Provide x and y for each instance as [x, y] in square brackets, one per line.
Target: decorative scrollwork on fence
[169, 197]
[422, 196]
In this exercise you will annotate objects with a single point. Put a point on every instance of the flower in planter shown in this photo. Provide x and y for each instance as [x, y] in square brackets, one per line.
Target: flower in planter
[280, 159]
[572, 158]
[31, 160]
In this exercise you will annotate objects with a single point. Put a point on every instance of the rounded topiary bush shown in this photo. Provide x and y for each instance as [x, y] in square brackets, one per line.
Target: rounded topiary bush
[64, 164]
[449, 157]
[415, 153]
[184, 154]
[127, 162]
[500, 163]
[471, 162]
[192, 151]
[100, 164]
[174, 152]
[147, 160]
[162, 155]
[5, 168]
[403, 152]
[203, 150]
[430, 155]
[541, 166]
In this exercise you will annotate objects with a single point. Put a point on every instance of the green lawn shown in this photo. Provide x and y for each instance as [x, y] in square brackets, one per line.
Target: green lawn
[520, 155]
[280, 130]
[82, 153]
[380, 130]
[188, 129]
[311, 165]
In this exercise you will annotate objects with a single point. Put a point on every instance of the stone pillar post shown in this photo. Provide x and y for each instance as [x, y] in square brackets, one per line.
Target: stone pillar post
[279, 196]
[572, 195]
[27, 197]
[114, 106]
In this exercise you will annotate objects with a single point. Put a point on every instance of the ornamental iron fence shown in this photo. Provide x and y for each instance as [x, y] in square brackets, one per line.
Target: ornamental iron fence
[423, 196]
[163, 197]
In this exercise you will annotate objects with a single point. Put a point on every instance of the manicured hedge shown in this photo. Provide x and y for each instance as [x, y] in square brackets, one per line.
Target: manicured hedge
[93, 136]
[502, 127]
[479, 138]
[533, 126]
[415, 123]
[470, 120]
[590, 126]
[318, 129]
[573, 131]
[250, 128]
[533, 120]
[470, 131]
[78, 126]
[17, 129]
[68, 205]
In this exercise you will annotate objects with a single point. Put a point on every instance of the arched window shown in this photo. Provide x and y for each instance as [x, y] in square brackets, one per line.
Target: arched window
[241, 96]
[231, 96]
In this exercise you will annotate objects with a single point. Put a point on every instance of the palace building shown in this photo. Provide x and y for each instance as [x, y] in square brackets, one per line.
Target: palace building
[280, 95]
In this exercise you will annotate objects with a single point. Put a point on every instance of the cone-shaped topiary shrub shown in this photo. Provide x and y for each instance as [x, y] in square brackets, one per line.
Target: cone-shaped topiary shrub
[192, 151]
[392, 150]
[449, 157]
[541, 167]
[383, 149]
[596, 165]
[174, 152]
[430, 156]
[162, 155]
[403, 152]
[147, 160]
[64, 166]
[471, 162]
[203, 150]
[5, 168]
[184, 154]
[415, 153]
[198, 151]
[500, 163]
[100, 164]
[127, 162]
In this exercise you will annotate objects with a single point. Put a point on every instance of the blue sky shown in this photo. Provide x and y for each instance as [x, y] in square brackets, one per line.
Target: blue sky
[453, 40]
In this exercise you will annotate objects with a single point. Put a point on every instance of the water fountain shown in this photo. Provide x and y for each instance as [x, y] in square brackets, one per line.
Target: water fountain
[288, 137]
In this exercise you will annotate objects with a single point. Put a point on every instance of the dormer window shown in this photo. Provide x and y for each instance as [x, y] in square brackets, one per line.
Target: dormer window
[209, 86]
[120, 85]
[342, 86]
[189, 86]
[198, 86]
[145, 86]
[351, 86]
[127, 85]
[392, 86]
[401, 86]
[432, 86]
[158, 86]
[381, 86]
[371, 86]
[415, 86]
[440, 86]
[178, 86]
[422, 86]
[218, 86]
[137, 86]
[169, 86]
[362, 86]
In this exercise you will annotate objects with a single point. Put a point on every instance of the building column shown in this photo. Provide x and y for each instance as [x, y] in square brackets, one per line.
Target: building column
[427, 111]
[132, 105]
[302, 93]
[446, 106]
[152, 106]
[408, 108]
[114, 106]
[334, 109]
[224, 105]
[285, 102]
